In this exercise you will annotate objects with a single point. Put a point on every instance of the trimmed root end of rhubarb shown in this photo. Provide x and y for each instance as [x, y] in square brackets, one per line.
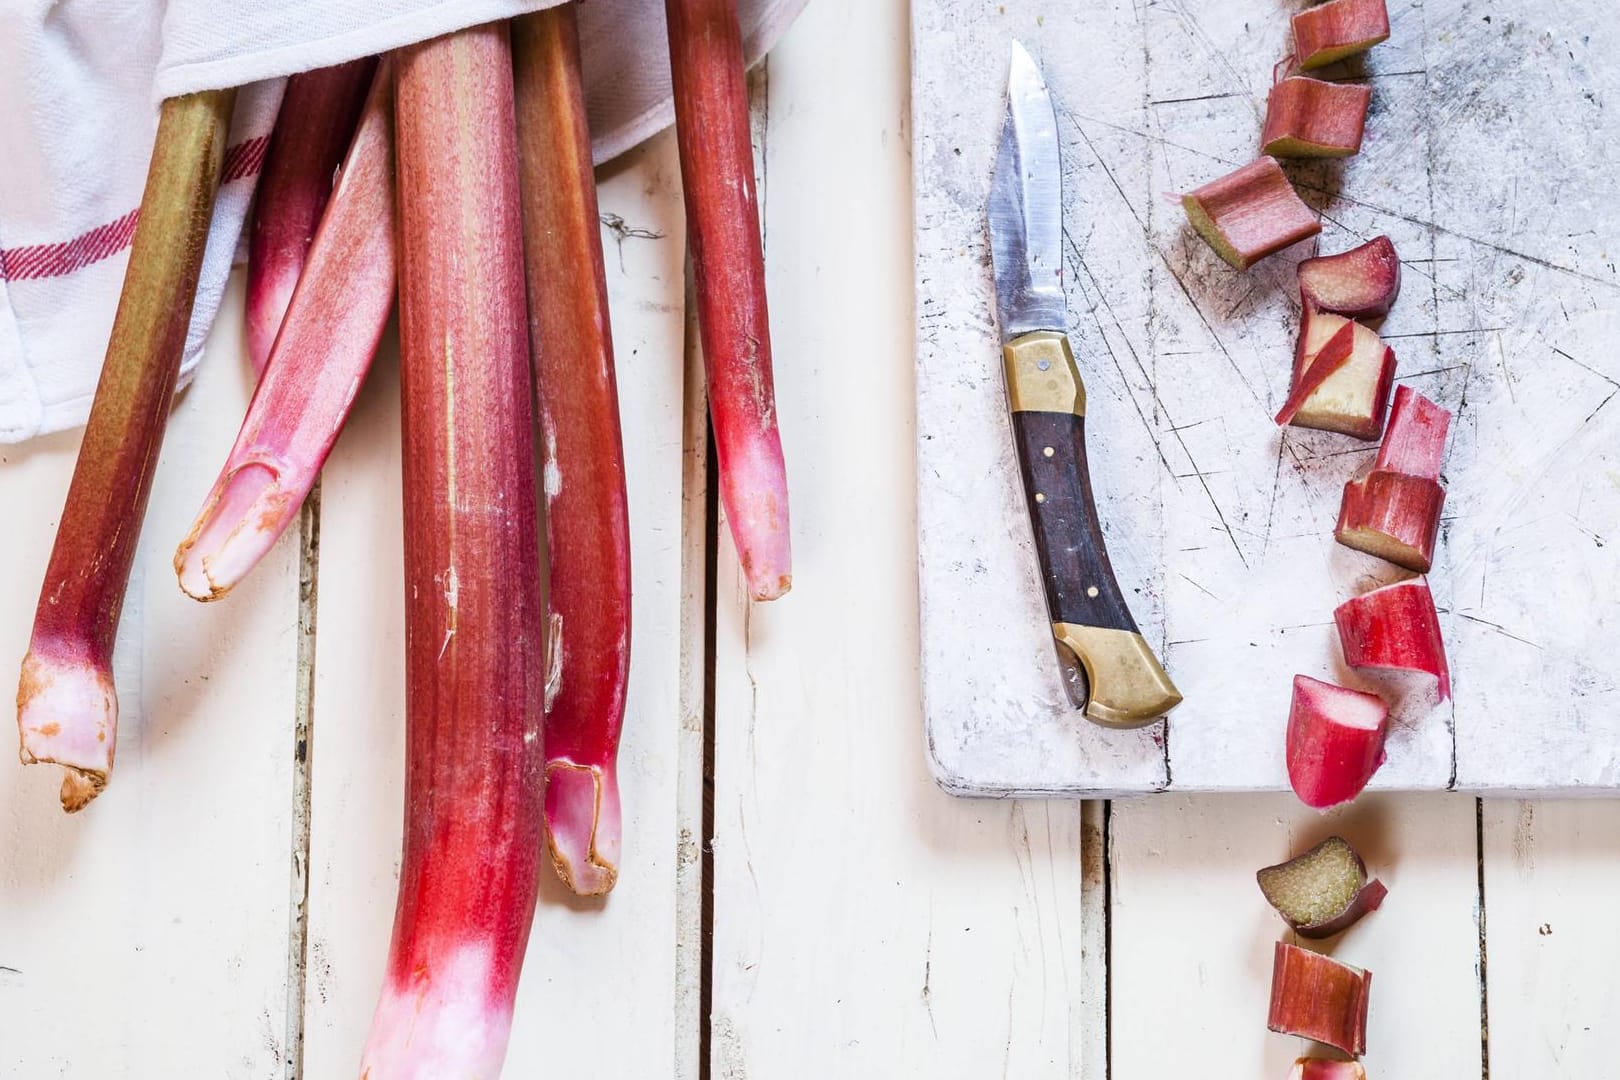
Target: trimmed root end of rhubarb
[1323, 891]
[1361, 283]
[1335, 741]
[583, 829]
[67, 715]
[1338, 29]
[1327, 1069]
[241, 522]
[1394, 517]
[1311, 118]
[1249, 214]
[753, 489]
[1317, 997]
[438, 1019]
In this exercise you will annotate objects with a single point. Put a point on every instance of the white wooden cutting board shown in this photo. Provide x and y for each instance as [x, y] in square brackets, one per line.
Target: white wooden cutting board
[1492, 160]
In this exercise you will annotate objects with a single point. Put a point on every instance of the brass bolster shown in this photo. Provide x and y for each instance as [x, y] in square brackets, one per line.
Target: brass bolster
[1041, 375]
[1129, 688]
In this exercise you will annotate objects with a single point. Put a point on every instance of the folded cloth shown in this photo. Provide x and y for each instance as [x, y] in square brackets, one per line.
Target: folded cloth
[82, 81]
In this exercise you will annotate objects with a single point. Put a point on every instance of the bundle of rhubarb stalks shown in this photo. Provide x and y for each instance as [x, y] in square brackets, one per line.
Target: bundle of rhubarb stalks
[1342, 379]
[456, 177]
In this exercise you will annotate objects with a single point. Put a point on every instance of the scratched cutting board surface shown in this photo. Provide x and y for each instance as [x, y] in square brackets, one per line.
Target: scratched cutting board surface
[1492, 160]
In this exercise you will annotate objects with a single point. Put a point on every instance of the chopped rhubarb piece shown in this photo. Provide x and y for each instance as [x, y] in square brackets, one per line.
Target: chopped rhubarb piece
[1335, 741]
[1360, 283]
[320, 358]
[1349, 397]
[1249, 214]
[67, 707]
[1317, 997]
[1415, 443]
[1327, 1069]
[1317, 360]
[1311, 118]
[319, 111]
[1393, 516]
[1338, 29]
[1395, 627]
[1322, 892]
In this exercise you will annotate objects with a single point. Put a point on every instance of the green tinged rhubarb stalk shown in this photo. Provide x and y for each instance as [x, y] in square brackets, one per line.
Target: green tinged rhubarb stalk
[67, 708]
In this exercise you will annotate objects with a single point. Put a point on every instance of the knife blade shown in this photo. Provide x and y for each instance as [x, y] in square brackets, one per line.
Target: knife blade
[1091, 622]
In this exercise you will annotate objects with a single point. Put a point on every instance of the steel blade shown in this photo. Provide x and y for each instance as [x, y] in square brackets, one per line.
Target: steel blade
[1026, 207]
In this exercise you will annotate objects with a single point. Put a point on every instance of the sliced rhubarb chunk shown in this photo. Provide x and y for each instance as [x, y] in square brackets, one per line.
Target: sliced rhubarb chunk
[1360, 283]
[1337, 29]
[1318, 997]
[1316, 359]
[1323, 891]
[1395, 627]
[1415, 443]
[1311, 118]
[1335, 741]
[1327, 1069]
[1393, 516]
[1351, 397]
[1249, 214]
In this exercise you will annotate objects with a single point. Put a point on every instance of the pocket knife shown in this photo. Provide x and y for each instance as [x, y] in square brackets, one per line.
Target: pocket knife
[1126, 686]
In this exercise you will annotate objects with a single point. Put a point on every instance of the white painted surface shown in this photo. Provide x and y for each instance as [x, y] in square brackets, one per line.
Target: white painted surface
[1219, 524]
[846, 883]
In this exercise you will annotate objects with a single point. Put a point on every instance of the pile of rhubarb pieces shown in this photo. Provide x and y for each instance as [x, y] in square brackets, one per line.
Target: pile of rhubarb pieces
[1343, 375]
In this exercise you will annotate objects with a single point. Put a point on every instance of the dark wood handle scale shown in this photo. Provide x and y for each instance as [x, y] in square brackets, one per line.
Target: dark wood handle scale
[1090, 619]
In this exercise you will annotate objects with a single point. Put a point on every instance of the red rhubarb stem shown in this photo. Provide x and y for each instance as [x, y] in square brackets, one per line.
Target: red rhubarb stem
[67, 707]
[474, 780]
[319, 111]
[717, 172]
[587, 517]
[319, 360]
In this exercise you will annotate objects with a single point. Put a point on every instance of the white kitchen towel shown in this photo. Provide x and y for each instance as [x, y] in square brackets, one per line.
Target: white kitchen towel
[82, 79]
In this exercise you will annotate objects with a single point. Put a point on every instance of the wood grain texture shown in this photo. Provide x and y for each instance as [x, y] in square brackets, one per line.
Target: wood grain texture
[1220, 524]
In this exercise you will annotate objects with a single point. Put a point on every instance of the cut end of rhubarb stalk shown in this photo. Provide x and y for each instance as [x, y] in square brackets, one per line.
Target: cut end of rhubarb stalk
[1395, 628]
[1322, 892]
[1350, 396]
[67, 715]
[439, 1020]
[1249, 214]
[1335, 741]
[229, 537]
[583, 826]
[1327, 1069]
[1311, 118]
[754, 491]
[1361, 283]
[1394, 517]
[1317, 997]
[1340, 28]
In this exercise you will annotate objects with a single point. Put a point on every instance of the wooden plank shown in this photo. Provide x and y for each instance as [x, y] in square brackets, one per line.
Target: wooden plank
[1227, 522]
[1549, 876]
[599, 985]
[864, 923]
[167, 899]
[1191, 931]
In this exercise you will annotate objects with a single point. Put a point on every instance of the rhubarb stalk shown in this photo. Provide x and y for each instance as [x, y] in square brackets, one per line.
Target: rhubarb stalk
[317, 364]
[67, 707]
[474, 781]
[1394, 511]
[1337, 29]
[717, 172]
[587, 518]
[1327, 1069]
[1335, 741]
[319, 111]
[1249, 214]
[1323, 891]
[1360, 283]
[1317, 997]
[1395, 628]
[1311, 118]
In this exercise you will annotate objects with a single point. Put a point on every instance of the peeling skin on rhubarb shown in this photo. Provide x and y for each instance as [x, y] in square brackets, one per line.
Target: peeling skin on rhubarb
[1317, 997]
[1335, 741]
[1361, 283]
[1309, 118]
[1351, 398]
[1395, 628]
[1323, 891]
[1394, 517]
[1249, 214]
[1332, 31]
[1319, 358]
[1327, 1069]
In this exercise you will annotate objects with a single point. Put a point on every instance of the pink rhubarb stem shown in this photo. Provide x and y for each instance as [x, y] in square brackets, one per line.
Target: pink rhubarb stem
[319, 111]
[67, 707]
[728, 263]
[475, 770]
[587, 518]
[321, 357]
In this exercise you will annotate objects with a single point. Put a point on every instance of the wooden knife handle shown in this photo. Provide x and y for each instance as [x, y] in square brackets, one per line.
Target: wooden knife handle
[1128, 686]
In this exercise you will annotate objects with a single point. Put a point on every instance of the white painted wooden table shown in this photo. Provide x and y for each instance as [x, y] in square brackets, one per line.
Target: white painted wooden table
[863, 923]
